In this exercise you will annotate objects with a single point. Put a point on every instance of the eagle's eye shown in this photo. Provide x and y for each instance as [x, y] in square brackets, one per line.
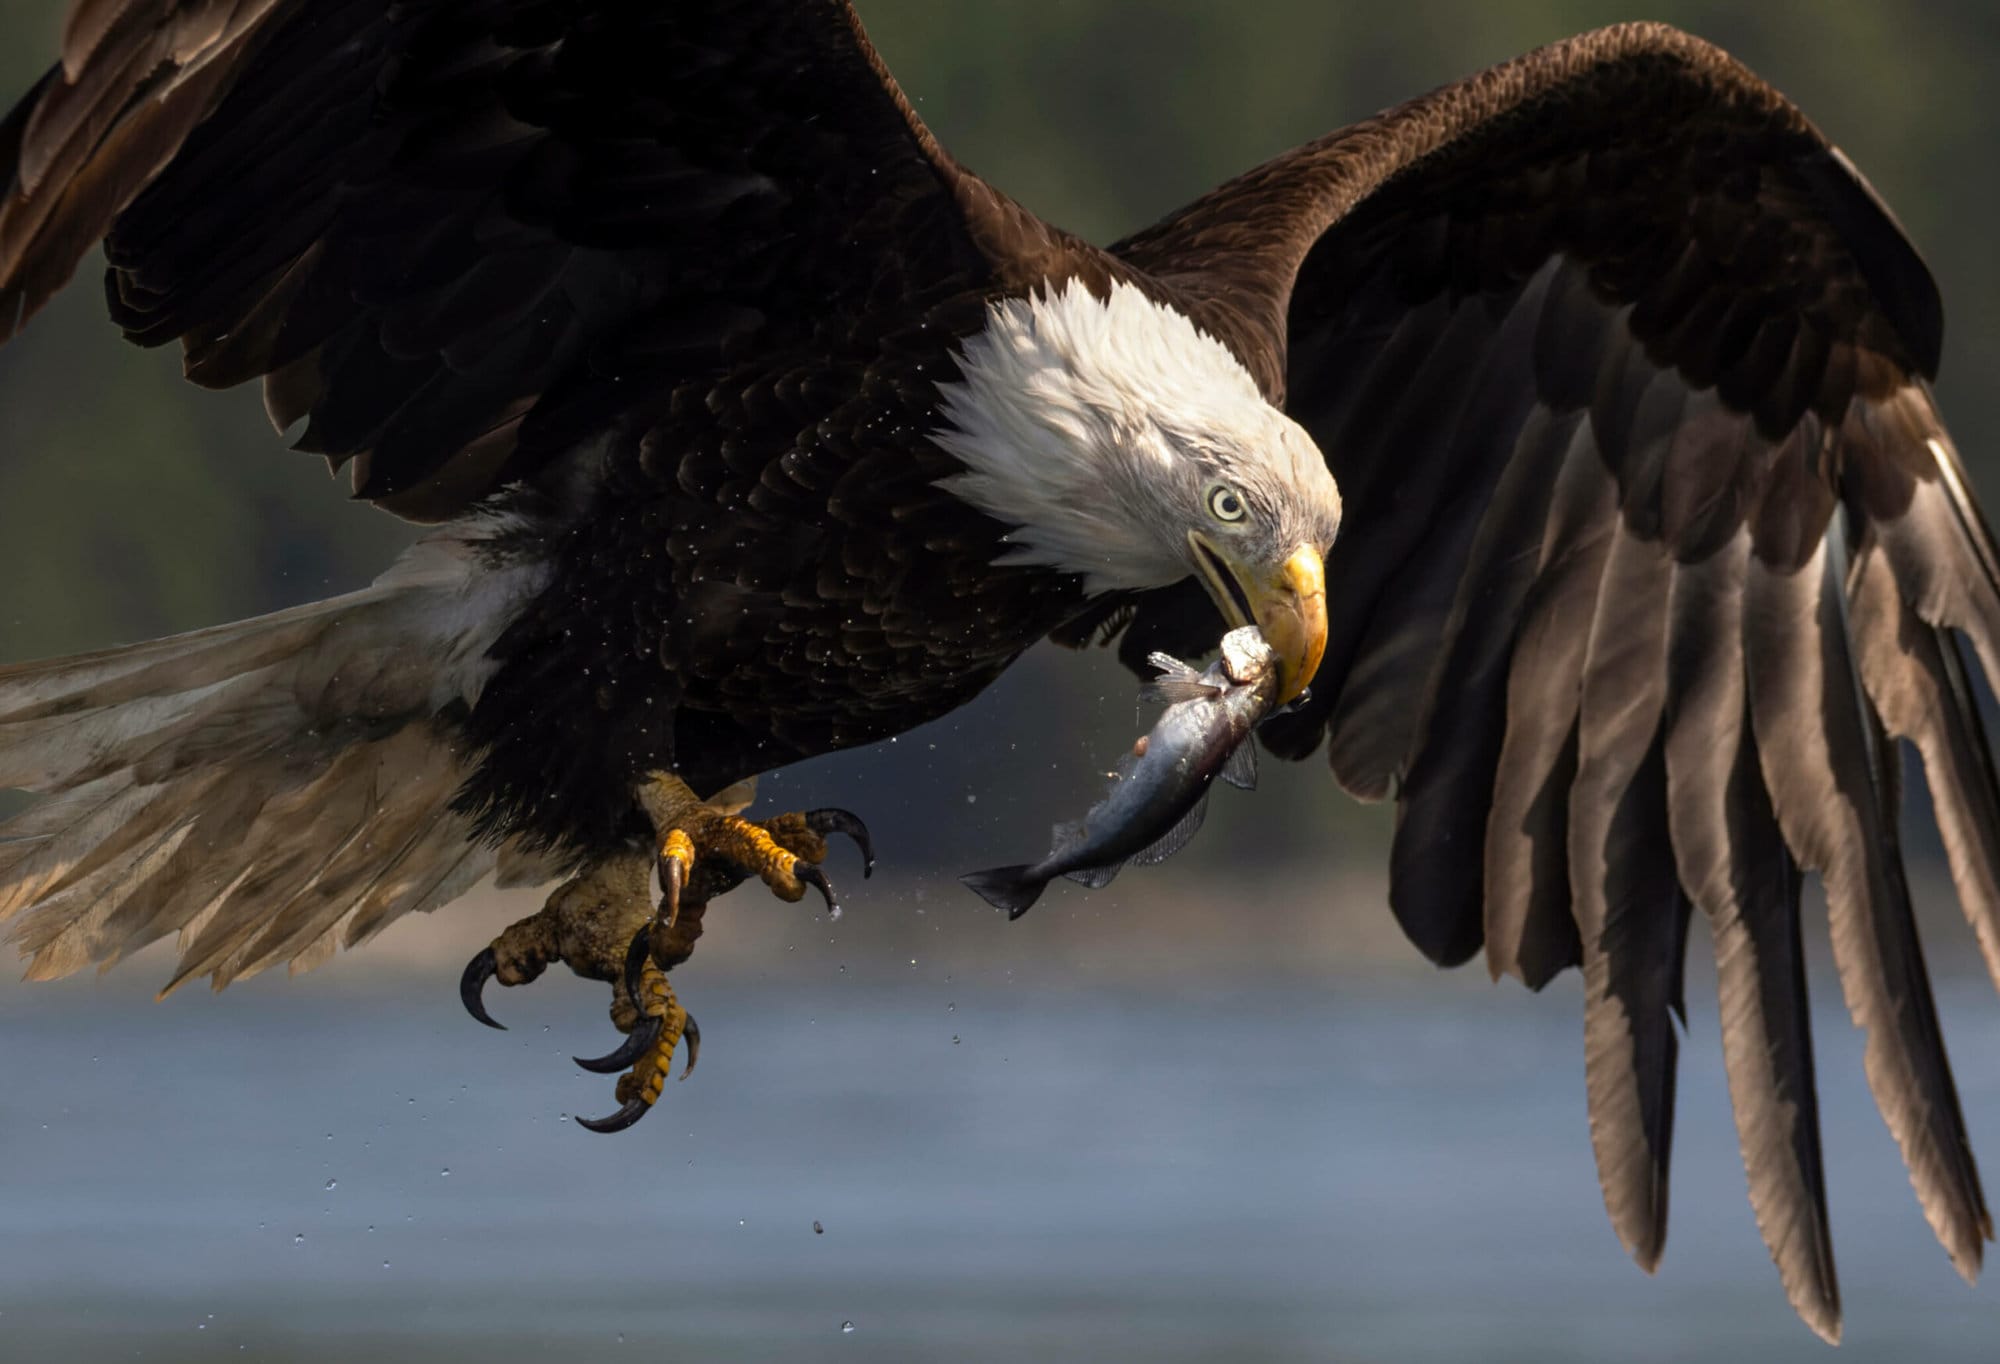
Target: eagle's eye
[1226, 504]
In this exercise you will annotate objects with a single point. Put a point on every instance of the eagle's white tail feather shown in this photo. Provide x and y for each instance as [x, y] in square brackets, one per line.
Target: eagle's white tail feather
[266, 790]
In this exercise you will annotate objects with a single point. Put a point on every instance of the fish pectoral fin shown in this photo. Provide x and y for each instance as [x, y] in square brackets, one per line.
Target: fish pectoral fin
[1177, 837]
[1240, 768]
[1177, 682]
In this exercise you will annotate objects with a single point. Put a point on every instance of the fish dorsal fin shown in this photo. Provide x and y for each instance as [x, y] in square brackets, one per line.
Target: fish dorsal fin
[1177, 682]
[1095, 878]
[1177, 837]
[1240, 768]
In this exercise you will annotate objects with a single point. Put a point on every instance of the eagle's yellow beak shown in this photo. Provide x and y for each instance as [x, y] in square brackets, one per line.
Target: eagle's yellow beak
[1288, 606]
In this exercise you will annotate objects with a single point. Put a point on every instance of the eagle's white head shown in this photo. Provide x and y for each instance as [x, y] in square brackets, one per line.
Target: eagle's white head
[1122, 443]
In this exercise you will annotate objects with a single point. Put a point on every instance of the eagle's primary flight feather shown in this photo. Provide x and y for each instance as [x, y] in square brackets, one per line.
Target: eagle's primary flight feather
[1654, 542]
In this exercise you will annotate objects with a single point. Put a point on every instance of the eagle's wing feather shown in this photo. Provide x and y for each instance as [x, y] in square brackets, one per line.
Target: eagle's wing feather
[703, 243]
[1623, 371]
[454, 239]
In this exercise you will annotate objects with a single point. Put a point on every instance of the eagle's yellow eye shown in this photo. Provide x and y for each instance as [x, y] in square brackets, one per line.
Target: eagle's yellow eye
[1226, 504]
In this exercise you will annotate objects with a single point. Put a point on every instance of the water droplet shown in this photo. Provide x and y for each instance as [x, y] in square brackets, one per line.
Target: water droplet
[385, 1264]
[951, 1008]
[971, 799]
[445, 1171]
[847, 1328]
[299, 1239]
[332, 1184]
[954, 1039]
[818, 1230]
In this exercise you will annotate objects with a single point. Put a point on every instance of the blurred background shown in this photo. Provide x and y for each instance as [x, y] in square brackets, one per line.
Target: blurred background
[1218, 1111]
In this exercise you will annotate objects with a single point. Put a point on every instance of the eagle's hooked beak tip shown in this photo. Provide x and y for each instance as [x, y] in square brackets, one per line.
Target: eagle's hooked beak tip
[1287, 605]
[1291, 615]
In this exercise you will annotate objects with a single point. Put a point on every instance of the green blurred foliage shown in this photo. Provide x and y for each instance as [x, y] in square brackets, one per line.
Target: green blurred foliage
[132, 504]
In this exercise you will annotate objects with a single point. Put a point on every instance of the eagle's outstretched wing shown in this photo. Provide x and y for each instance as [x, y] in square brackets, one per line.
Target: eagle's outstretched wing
[455, 239]
[1655, 546]
[459, 243]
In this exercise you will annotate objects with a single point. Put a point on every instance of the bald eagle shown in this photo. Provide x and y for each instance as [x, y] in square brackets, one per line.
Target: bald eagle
[1567, 431]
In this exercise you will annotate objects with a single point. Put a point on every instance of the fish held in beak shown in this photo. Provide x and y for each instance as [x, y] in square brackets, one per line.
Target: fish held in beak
[1286, 604]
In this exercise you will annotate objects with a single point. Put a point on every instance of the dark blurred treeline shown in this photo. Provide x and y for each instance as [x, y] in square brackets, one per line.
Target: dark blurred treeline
[132, 504]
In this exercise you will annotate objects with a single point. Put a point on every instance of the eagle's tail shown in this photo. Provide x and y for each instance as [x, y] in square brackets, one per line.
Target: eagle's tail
[268, 790]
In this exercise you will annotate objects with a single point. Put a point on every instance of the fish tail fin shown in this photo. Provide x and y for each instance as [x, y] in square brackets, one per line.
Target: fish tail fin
[1013, 889]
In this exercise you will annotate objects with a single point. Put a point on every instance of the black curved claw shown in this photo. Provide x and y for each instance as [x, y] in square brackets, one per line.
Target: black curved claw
[635, 962]
[478, 971]
[633, 1110]
[673, 880]
[691, 1034]
[810, 873]
[836, 821]
[637, 1042]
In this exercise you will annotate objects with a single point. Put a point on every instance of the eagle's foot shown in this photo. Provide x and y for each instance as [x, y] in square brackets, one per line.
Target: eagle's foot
[655, 1024]
[585, 924]
[707, 848]
[603, 925]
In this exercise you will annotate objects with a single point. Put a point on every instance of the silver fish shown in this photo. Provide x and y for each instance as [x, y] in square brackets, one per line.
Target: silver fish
[1159, 794]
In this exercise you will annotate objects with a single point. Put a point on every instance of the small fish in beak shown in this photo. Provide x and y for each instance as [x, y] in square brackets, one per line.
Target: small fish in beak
[1286, 603]
[1159, 794]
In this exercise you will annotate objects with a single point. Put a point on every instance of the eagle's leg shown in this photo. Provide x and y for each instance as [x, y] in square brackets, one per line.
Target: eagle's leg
[706, 850]
[603, 925]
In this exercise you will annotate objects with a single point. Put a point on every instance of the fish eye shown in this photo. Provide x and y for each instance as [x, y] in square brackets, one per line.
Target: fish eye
[1226, 504]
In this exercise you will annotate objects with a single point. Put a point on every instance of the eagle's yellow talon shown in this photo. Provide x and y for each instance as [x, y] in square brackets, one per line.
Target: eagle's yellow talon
[516, 957]
[784, 852]
[678, 848]
[639, 1088]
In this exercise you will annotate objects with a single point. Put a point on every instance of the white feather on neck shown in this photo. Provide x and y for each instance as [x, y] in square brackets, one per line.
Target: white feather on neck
[1069, 416]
